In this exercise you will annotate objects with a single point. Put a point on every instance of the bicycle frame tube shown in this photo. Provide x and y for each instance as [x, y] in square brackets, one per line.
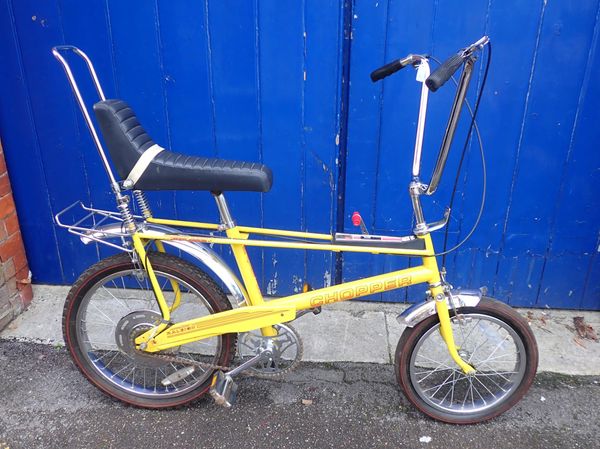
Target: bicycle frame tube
[261, 314]
[264, 315]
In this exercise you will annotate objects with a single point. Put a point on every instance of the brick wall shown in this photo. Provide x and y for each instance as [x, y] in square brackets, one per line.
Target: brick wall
[15, 282]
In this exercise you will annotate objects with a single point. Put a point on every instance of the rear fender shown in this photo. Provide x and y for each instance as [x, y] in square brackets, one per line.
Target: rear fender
[199, 251]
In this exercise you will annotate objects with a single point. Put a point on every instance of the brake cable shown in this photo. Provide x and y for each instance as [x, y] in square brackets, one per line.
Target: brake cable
[472, 126]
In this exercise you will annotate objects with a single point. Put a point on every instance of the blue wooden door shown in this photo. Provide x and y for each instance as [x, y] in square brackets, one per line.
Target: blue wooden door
[538, 241]
[286, 83]
[245, 80]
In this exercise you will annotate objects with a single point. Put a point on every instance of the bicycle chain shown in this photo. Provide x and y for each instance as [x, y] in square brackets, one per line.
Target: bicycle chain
[210, 366]
[186, 361]
[246, 373]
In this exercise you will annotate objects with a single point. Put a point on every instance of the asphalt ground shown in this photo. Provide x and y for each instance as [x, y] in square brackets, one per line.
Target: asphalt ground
[46, 403]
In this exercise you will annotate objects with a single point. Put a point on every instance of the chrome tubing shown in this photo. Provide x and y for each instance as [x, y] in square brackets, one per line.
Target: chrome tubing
[226, 219]
[461, 92]
[56, 51]
[423, 71]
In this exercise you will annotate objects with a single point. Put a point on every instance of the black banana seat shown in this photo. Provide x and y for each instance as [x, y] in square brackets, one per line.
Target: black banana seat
[161, 169]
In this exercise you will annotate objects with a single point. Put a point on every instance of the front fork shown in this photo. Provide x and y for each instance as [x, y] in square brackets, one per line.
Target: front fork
[441, 308]
[437, 292]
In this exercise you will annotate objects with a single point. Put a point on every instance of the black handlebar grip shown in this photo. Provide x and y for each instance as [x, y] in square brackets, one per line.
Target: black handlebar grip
[387, 70]
[444, 72]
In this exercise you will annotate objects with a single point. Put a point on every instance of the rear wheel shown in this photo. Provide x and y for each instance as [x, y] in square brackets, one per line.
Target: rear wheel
[112, 303]
[493, 338]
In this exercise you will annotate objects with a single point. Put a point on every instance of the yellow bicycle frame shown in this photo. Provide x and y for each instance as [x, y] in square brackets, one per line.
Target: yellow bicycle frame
[258, 313]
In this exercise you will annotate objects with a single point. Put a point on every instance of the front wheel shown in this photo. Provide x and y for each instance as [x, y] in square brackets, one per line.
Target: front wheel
[493, 338]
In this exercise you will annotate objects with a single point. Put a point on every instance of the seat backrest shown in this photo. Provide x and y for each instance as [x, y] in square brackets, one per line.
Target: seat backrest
[125, 138]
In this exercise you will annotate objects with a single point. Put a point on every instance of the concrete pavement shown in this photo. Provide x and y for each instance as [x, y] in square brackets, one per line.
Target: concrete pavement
[47, 404]
[354, 332]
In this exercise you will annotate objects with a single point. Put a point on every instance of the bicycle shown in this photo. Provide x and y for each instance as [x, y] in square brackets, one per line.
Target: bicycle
[153, 330]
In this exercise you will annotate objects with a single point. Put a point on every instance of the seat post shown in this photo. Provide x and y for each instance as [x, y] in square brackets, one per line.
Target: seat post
[226, 219]
[255, 297]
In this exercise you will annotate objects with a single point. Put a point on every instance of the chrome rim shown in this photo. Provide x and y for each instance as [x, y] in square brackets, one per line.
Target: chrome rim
[490, 345]
[123, 305]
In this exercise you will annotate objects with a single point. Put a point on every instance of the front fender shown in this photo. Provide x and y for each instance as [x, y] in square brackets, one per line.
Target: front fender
[197, 250]
[418, 312]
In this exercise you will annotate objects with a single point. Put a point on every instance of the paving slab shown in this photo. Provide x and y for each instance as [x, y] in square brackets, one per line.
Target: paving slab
[354, 332]
[342, 335]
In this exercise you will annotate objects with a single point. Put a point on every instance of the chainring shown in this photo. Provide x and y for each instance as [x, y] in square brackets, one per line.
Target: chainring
[286, 346]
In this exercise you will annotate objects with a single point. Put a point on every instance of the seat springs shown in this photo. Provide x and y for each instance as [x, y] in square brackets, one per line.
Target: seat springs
[125, 210]
[143, 204]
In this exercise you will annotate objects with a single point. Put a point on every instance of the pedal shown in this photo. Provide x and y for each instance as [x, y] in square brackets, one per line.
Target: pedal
[178, 375]
[223, 389]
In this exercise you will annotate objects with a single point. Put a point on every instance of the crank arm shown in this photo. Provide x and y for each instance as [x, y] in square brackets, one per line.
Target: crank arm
[266, 354]
[223, 389]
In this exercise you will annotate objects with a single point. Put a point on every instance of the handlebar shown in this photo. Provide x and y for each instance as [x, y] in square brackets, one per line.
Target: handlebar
[449, 67]
[393, 67]
[444, 72]
[440, 75]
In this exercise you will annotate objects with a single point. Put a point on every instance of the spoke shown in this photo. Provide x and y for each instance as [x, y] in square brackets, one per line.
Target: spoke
[497, 346]
[121, 370]
[431, 372]
[477, 347]
[172, 385]
[426, 372]
[101, 357]
[99, 346]
[497, 357]
[121, 303]
[477, 391]
[98, 323]
[453, 385]
[495, 383]
[434, 361]
[466, 396]
[469, 334]
[111, 360]
[192, 359]
[102, 313]
[141, 287]
[484, 386]
[460, 326]
[450, 390]
[498, 373]
[445, 382]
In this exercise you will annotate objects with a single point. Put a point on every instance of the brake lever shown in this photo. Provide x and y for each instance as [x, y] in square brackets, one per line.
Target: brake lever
[475, 46]
[440, 223]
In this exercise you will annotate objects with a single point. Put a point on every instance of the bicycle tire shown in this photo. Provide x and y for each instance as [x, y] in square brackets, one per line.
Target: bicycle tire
[498, 319]
[165, 265]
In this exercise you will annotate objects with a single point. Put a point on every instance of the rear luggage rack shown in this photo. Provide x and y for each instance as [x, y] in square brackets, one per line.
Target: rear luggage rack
[95, 225]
